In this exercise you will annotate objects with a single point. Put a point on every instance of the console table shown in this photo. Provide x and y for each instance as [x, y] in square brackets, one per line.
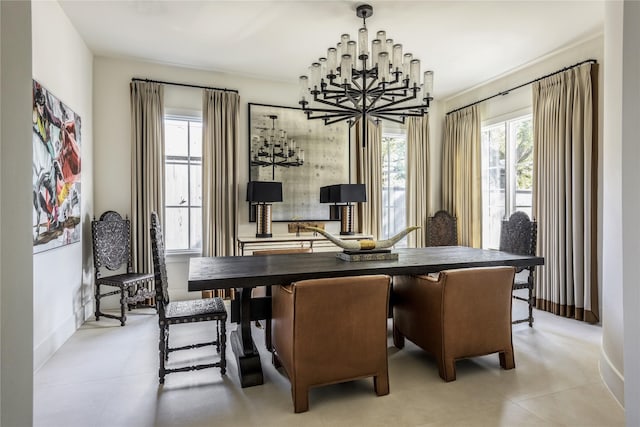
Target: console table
[244, 273]
[307, 239]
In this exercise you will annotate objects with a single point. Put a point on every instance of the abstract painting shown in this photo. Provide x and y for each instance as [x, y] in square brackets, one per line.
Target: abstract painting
[56, 172]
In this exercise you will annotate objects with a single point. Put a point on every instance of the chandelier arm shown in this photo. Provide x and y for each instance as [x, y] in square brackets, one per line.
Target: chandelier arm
[384, 109]
[330, 122]
[343, 116]
[344, 107]
[401, 113]
[391, 119]
[338, 100]
[373, 101]
[391, 104]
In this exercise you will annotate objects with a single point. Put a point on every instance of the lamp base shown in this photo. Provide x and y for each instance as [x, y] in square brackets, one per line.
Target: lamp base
[346, 220]
[263, 220]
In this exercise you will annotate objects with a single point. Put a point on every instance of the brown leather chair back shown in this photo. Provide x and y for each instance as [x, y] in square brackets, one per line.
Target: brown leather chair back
[331, 330]
[461, 313]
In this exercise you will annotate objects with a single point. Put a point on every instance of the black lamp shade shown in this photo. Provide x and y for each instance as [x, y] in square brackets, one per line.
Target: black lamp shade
[343, 193]
[264, 191]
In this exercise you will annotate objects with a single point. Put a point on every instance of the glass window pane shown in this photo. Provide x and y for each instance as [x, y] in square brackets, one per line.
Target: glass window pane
[196, 138]
[175, 137]
[176, 185]
[177, 228]
[183, 183]
[196, 185]
[196, 228]
[495, 148]
[524, 163]
[394, 149]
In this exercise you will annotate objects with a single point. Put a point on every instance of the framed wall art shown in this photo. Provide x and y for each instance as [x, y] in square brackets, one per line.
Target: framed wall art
[304, 155]
[56, 140]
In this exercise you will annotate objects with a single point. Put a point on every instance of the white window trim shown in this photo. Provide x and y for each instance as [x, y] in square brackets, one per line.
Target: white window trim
[527, 111]
[181, 255]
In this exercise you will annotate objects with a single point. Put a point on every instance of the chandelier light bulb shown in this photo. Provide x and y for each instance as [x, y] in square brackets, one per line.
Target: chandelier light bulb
[332, 60]
[363, 41]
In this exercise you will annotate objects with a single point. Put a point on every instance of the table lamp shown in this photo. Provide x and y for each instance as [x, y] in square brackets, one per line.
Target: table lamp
[343, 193]
[262, 193]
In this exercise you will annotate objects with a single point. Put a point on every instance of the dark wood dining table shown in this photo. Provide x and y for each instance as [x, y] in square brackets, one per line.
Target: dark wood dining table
[246, 272]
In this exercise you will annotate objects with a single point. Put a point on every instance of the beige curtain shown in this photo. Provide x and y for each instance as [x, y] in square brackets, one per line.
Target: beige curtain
[461, 175]
[565, 192]
[220, 124]
[369, 173]
[147, 168]
[418, 189]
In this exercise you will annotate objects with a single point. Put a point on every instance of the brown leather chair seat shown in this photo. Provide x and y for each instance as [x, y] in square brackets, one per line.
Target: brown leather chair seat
[459, 314]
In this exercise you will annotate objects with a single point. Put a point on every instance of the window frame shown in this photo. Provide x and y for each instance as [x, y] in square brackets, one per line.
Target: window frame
[506, 120]
[390, 131]
[189, 117]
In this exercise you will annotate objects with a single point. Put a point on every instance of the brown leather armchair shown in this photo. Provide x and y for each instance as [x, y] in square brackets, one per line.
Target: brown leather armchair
[459, 314]
[328, 331]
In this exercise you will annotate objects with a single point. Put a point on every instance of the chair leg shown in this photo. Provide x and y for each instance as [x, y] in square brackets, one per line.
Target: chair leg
[161, 351]
[381, 383]
[531, 303]
[97, 302]
[275, 360]
[447, 369]
[218, 336]
[123, 315]
[398, 338]
[223, 348]
[300, 396]
[166, 344]
[267, 335]
[507, 360]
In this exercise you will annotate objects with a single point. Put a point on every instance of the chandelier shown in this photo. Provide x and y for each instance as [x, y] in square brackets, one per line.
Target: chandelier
[353, 82]
[271, 147]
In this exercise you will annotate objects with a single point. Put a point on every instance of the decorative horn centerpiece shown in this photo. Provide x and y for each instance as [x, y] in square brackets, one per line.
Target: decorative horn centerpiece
[365, 244]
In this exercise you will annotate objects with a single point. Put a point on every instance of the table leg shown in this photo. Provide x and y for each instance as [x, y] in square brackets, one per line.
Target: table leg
[246, 353]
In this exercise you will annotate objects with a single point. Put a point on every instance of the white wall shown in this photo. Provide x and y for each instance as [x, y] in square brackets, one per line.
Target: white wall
[16, 292]
[113, 137]
[631, 207]
[62, 277]
[611, 357]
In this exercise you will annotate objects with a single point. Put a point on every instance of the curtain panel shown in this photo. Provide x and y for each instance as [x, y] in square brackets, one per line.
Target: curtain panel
[147, 168]
[369, 173]
[461, 174]
[418, 189]
[220, 124]
[565, 192]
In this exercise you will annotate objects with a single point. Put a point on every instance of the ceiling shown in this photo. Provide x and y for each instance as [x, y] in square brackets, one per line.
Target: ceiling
[465, 43]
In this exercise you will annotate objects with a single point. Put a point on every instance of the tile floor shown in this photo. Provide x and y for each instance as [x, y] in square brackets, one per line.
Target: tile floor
[106, 376]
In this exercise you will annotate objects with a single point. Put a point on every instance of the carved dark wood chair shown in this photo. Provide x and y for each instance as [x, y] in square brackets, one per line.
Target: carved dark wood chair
[173, 313]
[518, 235]
[111, 236]
[442, 229]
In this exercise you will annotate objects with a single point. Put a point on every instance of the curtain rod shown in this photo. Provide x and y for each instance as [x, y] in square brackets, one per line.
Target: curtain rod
[506, 92]
[135, 79]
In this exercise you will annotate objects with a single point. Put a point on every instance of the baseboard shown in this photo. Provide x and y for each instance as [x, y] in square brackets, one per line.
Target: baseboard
[612, 377]
[43, 351]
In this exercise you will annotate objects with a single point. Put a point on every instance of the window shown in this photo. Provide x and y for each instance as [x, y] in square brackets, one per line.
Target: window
[507, 180]
[183, 183]
[394, 176]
